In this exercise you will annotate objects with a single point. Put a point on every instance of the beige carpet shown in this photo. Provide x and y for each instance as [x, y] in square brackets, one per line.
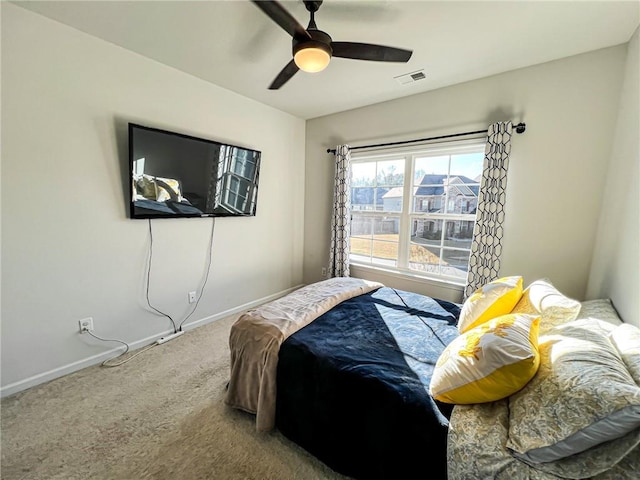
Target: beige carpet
[159, 416]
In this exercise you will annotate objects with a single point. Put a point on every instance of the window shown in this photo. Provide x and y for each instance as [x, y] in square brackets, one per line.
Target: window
[138, 167]
[413, 211]
[236, 184]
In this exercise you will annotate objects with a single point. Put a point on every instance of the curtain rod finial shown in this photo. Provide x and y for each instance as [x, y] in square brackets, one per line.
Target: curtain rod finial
[520, 128]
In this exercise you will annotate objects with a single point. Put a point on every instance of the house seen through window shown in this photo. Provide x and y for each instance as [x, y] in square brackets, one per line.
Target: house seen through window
[414, 211]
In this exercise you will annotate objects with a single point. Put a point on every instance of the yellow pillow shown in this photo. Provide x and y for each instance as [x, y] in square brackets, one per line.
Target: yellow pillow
[490, 301]
[488, 362]
[167, 189]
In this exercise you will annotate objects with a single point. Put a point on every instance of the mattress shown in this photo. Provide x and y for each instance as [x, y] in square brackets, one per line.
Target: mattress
[352, 386]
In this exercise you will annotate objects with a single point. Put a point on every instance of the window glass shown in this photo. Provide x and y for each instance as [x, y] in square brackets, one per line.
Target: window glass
[427, 231]
[437, 225]
[374, 239]
[377, 185]
[424, 258]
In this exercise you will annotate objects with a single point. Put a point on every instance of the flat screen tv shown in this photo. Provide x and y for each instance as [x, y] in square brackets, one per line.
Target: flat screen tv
[174, 175]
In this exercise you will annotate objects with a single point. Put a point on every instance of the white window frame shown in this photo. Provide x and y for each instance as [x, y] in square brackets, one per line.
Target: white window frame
[407, 216]
[236, 199]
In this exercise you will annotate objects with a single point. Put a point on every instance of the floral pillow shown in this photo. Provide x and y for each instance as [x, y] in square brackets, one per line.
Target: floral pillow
[586, 391]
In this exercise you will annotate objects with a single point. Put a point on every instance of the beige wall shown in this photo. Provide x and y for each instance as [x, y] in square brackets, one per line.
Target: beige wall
[68, 249]
[615, 272]
[557, 168]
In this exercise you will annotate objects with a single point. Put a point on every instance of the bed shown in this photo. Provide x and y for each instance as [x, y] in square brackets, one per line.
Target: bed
[350, 370]
[351, 381]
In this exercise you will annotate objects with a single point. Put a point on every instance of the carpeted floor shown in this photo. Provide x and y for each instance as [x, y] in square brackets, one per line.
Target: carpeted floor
[159, 416]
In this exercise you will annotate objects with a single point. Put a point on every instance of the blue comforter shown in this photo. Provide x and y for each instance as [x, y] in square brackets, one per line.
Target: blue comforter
[353, 385]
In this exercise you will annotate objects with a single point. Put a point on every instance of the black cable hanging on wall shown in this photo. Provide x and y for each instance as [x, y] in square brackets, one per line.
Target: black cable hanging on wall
[519, 128]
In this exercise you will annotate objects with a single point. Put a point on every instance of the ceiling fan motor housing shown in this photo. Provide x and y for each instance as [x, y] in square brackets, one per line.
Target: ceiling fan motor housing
[319, 39]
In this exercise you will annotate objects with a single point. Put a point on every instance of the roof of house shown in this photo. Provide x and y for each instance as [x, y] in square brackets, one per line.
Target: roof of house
[395, 192]
[433, 184]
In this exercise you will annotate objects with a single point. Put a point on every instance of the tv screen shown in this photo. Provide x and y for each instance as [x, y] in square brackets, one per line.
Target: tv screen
[175, 175]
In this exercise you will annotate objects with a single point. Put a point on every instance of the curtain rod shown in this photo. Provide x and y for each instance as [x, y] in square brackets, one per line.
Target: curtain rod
[519, 128]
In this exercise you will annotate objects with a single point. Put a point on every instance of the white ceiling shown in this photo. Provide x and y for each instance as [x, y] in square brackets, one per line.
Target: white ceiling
[234, 45]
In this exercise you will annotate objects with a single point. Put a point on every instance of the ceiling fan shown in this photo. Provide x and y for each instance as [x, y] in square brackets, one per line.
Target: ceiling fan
[313, 48]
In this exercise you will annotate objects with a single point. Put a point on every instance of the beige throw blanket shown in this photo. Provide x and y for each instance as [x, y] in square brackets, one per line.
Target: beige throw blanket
[256, 337]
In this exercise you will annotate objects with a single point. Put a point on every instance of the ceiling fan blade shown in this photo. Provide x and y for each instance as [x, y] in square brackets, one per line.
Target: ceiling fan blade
[285, 75]
[276, 12]
[367, 51]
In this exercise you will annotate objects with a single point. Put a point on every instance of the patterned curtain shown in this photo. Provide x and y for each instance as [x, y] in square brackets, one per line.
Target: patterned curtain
[486, 246]
[341, 215]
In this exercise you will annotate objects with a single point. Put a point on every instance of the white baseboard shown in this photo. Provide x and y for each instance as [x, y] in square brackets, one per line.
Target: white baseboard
[95, 359]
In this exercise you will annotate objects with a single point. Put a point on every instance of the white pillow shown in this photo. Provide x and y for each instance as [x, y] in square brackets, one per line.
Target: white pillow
[542, 298]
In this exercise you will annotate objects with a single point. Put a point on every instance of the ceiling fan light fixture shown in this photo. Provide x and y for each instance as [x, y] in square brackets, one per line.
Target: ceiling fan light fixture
[312, 57]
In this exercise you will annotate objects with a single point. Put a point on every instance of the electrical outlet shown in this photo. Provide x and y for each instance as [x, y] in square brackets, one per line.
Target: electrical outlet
[86, 325]
[324, 272]
[192, 297]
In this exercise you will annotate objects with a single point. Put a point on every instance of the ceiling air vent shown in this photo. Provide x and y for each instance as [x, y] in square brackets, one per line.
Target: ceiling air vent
[412, 77]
